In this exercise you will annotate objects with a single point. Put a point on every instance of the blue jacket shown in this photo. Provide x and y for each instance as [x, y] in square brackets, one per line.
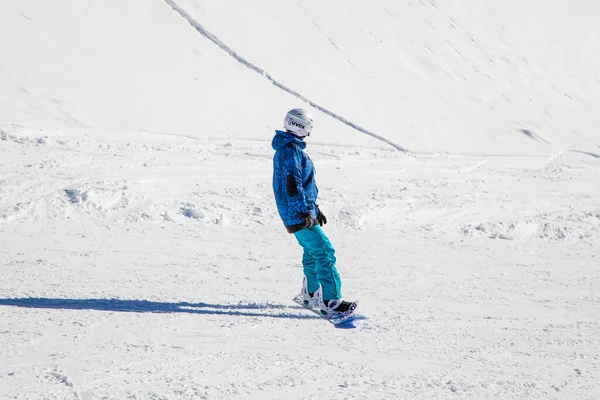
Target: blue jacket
[293, 179]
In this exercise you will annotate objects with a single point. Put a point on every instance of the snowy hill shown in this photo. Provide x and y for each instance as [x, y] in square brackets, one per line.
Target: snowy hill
[434, 76]
[142, 253]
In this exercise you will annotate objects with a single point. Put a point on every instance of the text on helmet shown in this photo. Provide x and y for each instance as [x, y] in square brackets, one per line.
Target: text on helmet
[293, 122]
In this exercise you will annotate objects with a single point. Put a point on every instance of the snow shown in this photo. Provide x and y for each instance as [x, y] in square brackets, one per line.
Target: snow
[142, 256]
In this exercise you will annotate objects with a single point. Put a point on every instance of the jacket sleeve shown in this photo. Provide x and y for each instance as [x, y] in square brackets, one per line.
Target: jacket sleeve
[293, 181]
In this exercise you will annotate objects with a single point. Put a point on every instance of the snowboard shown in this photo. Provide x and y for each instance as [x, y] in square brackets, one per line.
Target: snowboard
[334, 320]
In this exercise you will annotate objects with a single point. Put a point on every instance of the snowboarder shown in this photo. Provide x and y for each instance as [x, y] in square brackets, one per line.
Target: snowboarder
[296, 195]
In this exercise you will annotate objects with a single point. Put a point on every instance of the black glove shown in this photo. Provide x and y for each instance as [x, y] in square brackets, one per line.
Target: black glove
[308, 221]
[321, 218]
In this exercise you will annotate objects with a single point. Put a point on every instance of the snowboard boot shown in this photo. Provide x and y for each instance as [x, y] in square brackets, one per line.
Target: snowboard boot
[337, 308]
[309, 299]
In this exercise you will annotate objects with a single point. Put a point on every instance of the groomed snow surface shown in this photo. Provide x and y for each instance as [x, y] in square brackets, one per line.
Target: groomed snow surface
[141, 254]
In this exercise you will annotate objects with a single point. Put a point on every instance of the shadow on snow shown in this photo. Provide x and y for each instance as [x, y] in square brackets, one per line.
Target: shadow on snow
[144, 306]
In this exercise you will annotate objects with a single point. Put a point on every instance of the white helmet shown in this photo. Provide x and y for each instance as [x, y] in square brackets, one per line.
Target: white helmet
[299, 122]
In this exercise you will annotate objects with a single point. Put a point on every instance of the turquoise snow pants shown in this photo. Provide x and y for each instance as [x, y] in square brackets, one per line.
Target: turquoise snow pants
[319, 263]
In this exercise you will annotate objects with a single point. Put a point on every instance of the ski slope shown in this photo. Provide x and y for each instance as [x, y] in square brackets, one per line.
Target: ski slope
[458, 161]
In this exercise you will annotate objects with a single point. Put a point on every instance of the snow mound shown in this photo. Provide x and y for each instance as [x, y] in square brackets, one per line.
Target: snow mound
[352, 216]
[99, 198]
[29, 140]
[571, 227]
[201, 212]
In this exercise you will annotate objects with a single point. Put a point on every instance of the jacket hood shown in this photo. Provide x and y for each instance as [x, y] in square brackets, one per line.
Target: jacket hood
[282, 139]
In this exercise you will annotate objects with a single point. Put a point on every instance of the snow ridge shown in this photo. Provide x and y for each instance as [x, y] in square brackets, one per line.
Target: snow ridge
[266, 75]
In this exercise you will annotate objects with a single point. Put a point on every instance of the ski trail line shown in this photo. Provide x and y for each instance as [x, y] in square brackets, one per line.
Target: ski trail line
[266, 75]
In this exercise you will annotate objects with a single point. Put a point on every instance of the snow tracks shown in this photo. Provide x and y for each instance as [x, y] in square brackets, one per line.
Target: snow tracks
[274, 81]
